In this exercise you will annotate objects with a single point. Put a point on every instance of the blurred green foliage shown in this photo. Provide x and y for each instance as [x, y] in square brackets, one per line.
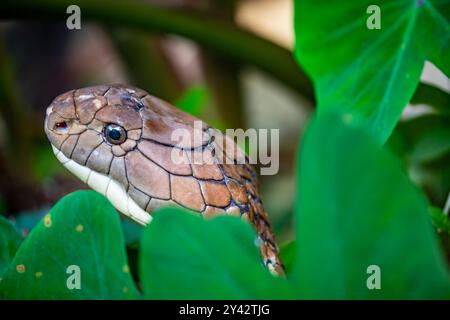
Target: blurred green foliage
[423, 145]
[45, 164]
[10, 240]
[440, 220]
[227, 40]
[193, 100]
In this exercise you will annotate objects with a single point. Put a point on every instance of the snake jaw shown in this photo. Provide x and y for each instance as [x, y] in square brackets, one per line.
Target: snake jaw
[107, 186]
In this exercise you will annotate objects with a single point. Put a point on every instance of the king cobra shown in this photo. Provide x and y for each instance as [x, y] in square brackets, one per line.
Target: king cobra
[118, 139]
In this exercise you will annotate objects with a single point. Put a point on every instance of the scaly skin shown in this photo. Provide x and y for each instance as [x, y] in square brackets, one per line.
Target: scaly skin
[148, 169]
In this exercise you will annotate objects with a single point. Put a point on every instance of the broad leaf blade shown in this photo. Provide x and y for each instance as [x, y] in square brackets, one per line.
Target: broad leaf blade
[81, 230]
[186, 257]
[10, 239]
[356, 208]
[287, 254]
[370, 74]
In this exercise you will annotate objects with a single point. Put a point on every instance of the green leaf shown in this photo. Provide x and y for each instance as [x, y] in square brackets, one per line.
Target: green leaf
[193, 100]
[287, 254]
[356, 208]
[186, 257]
[370, 74]
[45, 164]
[131, 232]
[10, 239]
[82, 230]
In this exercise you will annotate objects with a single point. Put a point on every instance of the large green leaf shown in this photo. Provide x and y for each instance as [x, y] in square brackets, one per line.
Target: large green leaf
[10, 239]
[82, 230]
[356, 208]
[370, 74]
[287, 255]
[186, 257]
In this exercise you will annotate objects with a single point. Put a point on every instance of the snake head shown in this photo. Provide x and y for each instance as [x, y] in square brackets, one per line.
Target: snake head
[118, 140]
[61, 120]
[91, 130]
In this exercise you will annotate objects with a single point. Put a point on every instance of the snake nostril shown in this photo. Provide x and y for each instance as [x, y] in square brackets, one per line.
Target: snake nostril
[61, 127]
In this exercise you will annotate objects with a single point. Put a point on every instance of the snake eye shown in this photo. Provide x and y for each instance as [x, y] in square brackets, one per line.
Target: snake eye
[115, 134]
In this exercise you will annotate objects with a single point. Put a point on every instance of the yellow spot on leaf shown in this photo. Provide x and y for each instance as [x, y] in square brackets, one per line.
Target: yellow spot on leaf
[48, 220]
[125, 290]
[126, 269]
[20, 268]
[38, 274]
[79, 228]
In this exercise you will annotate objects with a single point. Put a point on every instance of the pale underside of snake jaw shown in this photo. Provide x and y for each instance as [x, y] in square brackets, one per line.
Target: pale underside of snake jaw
[108, 187]
[137, 173]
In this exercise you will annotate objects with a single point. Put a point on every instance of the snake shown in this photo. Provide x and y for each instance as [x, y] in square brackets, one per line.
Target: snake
[119, 140]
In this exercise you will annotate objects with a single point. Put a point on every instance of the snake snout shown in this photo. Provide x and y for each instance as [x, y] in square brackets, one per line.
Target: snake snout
[58, 123]
[55, 123]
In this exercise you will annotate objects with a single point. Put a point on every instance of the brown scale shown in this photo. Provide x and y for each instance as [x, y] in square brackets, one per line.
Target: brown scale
[202, 170]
